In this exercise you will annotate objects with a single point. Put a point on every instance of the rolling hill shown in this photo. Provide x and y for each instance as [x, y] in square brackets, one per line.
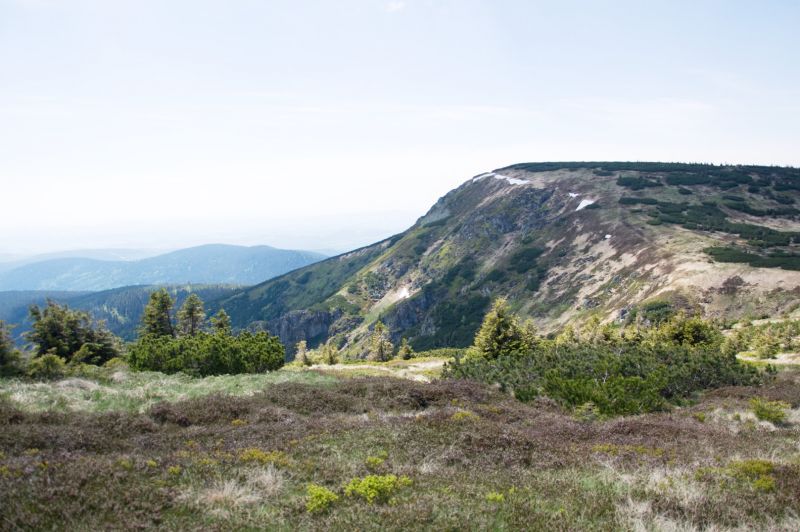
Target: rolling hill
[562, 241]
[210, 264]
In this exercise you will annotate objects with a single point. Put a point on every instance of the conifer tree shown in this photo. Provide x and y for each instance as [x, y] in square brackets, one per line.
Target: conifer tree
[529, 335]
[380, 346]
[500, 333]
[222, 323]
[157, 318]
[10, 360]
[405, 351]
[191, 316]
[70, 335]
[330, 353]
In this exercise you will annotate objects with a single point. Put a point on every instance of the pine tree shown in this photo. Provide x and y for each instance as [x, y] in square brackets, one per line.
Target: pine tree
[191, 316]
[380, 346]
[405, 351]
[500, 333]
[157, 318]
[222, 323]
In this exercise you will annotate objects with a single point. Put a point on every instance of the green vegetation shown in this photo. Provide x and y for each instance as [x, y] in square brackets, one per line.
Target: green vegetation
[319, 498]
[70, 335]
[772, 411]
[47, 367]
[767, 339]
[376, 488]
[617, 370]
[381, 348]
[208, 354]
[638, 183]
[787, 261]
[10, 358]
[195, 351]
[115, 389]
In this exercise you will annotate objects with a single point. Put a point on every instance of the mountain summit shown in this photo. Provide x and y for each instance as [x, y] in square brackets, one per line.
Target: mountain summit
[561, 241]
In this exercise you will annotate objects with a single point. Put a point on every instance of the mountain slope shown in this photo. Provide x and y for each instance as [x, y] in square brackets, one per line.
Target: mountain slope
[563, 241]
[215, 263]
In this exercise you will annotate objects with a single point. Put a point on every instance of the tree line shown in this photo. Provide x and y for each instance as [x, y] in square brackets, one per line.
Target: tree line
[169, 341]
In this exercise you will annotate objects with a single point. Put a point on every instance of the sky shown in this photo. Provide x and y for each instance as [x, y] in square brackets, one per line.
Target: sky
[161, 124]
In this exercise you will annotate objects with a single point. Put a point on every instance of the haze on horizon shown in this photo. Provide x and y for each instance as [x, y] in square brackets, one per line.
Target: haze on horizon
[329, 125]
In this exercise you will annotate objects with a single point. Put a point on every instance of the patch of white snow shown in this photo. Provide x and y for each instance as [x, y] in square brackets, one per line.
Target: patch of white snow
[512, 180]
[584, 203]
[573, 195]
[608, 236]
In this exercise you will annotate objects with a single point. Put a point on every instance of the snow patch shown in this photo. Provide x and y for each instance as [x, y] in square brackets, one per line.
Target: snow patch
[512, 180]
[585, 203]
[608, 236]
[573, 195]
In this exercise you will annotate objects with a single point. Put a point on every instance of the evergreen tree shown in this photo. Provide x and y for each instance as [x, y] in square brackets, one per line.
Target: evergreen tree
[10, 360]
[157, 318]
[767, 344]
[70, 335]
[529, 336]
[191, 316]
[222, 323]
[330, 353]
[380, 346]
[405, 351]
[500, 333]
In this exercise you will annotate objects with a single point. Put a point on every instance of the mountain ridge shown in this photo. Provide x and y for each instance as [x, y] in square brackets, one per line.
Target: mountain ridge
[563, 241]
[210, 263]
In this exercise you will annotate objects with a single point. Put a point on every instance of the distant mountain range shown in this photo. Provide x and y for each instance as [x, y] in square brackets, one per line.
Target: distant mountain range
[209, 264]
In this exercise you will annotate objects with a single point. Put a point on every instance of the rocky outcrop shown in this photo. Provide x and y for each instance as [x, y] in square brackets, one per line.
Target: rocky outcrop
[309, 325]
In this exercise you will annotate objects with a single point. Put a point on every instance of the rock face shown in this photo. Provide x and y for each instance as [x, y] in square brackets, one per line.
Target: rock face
[311, 326]
[562, 241]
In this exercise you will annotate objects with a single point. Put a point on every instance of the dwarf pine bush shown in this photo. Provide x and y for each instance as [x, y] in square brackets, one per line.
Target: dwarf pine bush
[620, 371]
[772, 411]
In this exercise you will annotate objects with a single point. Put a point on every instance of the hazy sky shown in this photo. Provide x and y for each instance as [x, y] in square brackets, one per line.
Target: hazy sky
[330, 124]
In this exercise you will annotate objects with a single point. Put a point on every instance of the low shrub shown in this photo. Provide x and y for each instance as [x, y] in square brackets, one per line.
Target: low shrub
[319, 498]
[376, 488]
[619, 370]
[255, 455]
[772, 411]
[208, 354]
[47, 367]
